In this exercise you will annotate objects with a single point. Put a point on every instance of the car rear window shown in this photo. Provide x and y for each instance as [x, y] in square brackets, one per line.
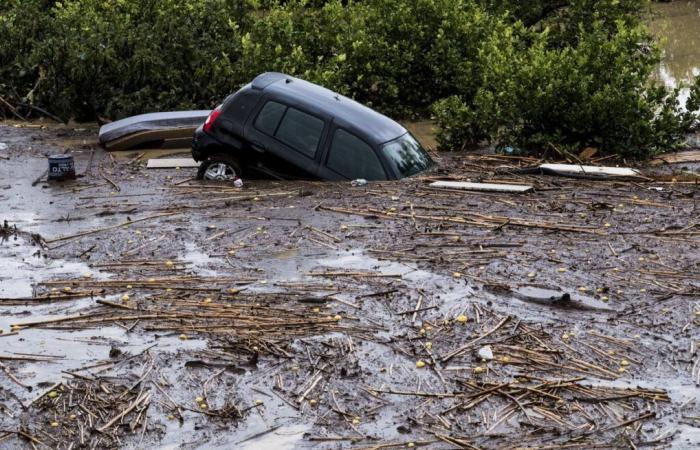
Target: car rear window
[300, 131]
[353, 158]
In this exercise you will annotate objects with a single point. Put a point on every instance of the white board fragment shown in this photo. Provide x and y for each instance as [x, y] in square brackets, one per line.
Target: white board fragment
[576, 169]
[171, 163]
[486, 187]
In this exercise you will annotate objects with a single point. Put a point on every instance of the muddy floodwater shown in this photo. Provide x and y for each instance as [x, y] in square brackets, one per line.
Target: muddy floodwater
[142, 308]
[677, 24]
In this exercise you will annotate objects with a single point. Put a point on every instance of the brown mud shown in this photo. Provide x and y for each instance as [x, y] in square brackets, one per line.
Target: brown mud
[141, 308]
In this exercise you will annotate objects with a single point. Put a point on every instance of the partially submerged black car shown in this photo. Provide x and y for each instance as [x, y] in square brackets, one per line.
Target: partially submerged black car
[284, 127]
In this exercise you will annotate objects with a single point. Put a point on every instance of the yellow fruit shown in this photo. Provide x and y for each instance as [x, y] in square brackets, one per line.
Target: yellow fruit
[168, 289]
[169, 263]
[72, 417]
[54, 424]
[183, 337]
[125, 297]
[313, 402]
[642, 290]
[624, 363]
[356, 421]
[199, 399]
[410, 445]
[561, 270]
[343, 228]
[429, 345]
[206, 300]
[203, 406]
[478, 369]
[607, 225]
[565, 336]
[531, 275]
[420, 364]
[582, 289]
[457, 275]
[462, 318]
[171, 417]
[128, 286]
[258, 402]
[421, 331]
[337, 317]
[621, 370]
[316, 310]
[87, 275]
[67, 289]
[505, 359]
[604, 298]
[52, 394]
[151, 280]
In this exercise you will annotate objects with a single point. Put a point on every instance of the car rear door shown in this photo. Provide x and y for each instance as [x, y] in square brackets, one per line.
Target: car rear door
[289, 133]
[349, 157]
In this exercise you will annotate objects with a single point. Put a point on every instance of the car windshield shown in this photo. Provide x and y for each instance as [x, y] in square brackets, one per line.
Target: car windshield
[407, 156]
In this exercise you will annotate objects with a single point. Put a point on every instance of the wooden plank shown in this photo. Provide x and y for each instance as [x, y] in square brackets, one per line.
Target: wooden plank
[597, 171]
[485, 187]
[677, 158]
[171, 163]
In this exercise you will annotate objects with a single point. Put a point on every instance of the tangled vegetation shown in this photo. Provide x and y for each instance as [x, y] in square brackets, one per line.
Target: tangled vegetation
[563, 73]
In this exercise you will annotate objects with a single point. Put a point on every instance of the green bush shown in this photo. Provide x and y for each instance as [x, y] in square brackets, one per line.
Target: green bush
[536, 74]
[121, 57]
[398, 56]
[597, 93]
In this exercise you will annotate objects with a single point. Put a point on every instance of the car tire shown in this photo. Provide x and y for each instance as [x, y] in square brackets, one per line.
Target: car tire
[219, 167]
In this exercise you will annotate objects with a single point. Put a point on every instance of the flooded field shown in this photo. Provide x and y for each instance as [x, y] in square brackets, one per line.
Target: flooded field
[143, 308]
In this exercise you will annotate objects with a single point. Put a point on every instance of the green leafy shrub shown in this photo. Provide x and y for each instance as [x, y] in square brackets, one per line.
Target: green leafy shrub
[122, 57]
[536, 74]
[398, 56]
[598, 93]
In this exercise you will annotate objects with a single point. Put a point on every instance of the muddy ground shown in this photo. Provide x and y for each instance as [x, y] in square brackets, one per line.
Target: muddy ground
[141, 308]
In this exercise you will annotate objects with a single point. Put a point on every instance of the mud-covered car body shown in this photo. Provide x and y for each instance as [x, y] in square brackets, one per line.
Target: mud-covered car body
[289, 128]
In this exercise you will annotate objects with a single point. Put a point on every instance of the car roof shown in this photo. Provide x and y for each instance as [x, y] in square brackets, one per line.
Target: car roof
[376, 128]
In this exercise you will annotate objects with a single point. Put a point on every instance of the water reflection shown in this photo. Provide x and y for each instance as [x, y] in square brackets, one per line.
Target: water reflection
[677, 24]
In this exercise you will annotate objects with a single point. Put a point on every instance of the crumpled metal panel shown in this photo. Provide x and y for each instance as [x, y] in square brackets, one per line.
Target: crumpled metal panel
[152, 122]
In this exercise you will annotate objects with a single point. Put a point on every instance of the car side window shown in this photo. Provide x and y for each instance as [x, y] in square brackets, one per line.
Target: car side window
[351, 157]
[269, 117]
[300, 131]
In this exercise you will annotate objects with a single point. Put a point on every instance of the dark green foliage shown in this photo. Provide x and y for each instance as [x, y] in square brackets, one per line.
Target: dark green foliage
[534, 94]
[120, 57]
[398, 56]
[532, 74]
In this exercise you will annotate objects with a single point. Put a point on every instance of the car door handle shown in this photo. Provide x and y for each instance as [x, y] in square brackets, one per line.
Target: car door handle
[257, 146]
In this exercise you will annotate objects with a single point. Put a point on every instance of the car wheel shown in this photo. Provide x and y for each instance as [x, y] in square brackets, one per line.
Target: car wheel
[219, 168]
